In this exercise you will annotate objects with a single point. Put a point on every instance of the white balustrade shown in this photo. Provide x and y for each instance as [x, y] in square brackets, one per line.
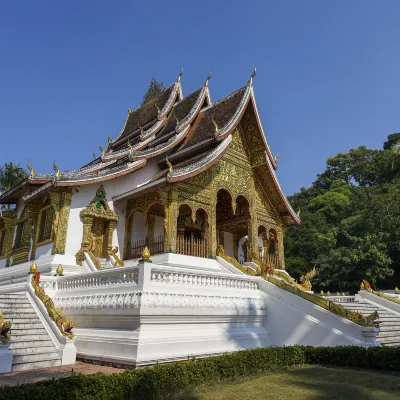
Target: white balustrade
[99, 279]
[201, 280]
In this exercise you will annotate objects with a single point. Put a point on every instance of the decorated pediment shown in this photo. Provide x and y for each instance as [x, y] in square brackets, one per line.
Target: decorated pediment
[99, 208]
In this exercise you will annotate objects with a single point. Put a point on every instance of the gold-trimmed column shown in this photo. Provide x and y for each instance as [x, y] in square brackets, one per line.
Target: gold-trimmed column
[171, 221]
[34, 210]
[60, 239]
[10, 220]
[111, 228]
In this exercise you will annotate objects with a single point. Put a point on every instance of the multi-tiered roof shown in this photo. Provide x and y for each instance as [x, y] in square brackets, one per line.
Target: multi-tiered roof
[186, 135]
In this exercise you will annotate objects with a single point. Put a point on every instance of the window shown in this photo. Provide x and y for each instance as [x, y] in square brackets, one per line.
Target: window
[21, 235]
[46, 220]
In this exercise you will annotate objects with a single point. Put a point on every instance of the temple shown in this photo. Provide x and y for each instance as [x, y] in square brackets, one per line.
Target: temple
[167, 246]
[184, 175]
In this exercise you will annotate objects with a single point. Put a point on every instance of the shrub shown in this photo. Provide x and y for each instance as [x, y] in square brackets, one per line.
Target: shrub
[163, 381]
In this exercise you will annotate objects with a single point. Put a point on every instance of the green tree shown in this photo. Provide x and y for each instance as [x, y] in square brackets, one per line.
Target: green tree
[10, 175]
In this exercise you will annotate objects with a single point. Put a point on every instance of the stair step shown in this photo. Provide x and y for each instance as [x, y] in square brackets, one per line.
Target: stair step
[22, 351]
[31, 358]
[14, 301]
[26, 326]
[13, 310]
[31, 336]
[17, 321]
[35, 343]
[35, 365]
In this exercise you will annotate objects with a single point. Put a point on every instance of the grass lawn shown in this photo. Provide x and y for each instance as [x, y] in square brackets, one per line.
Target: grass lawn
[307, 382]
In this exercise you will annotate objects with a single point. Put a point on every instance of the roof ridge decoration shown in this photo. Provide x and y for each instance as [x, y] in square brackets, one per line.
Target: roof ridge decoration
[196, 168]
[56, 170]
[178, 79]
[176, 90]
[32, 171]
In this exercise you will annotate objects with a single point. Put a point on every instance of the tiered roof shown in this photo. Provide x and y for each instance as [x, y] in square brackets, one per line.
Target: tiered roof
[185, 135]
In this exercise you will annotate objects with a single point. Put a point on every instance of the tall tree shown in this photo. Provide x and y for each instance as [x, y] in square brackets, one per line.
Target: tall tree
[350, 220]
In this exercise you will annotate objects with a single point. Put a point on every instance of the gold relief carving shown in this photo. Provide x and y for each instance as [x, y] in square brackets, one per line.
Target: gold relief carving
[9, 219]
[142, 202]
[258, 157]
[62, 222]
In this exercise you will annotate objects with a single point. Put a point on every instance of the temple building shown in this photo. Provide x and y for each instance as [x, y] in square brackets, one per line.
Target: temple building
[184, 175]
[168, 246]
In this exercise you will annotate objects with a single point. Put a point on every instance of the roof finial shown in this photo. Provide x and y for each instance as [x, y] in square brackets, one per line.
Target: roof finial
[215, 125]
[208, 78]
[276, 158]
[103, 152]
[129, 110]
[141, 129]
[170, 167]
[158, 110]
[56, 170]
[179, 76]
[177, 120]
[250, 82]
[130, 147]
[94, 155]
[33, 173]
[110, 140]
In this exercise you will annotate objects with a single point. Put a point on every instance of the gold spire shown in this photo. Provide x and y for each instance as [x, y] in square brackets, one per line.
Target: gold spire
[56, 170]
[59, 270]
[33, 268]
[250, 82]
[215, 125]
[208, 78]
[103, 152]
[171, 169]
[33, 173]
[179, 76]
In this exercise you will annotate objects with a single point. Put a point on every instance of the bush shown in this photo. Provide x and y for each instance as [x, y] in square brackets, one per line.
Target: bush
[163, 381]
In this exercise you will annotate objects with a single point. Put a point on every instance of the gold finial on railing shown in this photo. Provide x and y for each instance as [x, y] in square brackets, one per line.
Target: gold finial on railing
[396, 290]
[118, 261]
[328, 293]
[179, 76]
[59, 271]
[321, 293]
[33, 268]
[146, 254]
[5, 327]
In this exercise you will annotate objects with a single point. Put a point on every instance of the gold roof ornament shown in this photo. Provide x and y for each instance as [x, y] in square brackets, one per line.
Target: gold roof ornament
[396, 290]
[33, 268]
[94, 155]
[298, 213]
[362, 286]
[250, 82]
[146, 254]
[179, 76]
[56, 170]
[32, 171]
[276, 158]
[158, 110]
[171, 169]
[208, 78]
[177, 120]
[59, 270]
[215, 125]
[129, 110]
[110, 140]
[130, 147]
[141, 129]
[103, 152]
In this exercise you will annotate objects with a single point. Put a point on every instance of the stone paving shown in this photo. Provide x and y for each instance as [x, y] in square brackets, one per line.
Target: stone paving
[37, 375]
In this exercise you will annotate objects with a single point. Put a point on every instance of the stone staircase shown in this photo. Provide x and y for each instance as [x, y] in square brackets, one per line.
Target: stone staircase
[389, 321]
[31, 345]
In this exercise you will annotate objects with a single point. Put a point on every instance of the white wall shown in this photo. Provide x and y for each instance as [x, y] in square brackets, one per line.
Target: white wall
[228, 244]
[139, 229]
[261, 243]
[44, 250]
[3, 263]
[158, 226]
[240, 249]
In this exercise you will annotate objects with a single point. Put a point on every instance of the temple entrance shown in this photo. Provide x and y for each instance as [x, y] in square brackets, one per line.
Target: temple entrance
[100, 238]
[192, 232]
[233, 222]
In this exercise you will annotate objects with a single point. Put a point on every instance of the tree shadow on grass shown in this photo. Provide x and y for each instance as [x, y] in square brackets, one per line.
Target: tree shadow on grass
[339, 383]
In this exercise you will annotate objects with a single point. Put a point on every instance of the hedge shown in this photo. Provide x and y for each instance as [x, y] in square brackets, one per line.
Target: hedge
[166, 380]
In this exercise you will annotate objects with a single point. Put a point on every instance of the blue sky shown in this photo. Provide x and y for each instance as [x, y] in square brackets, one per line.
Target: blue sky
[327, 72]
